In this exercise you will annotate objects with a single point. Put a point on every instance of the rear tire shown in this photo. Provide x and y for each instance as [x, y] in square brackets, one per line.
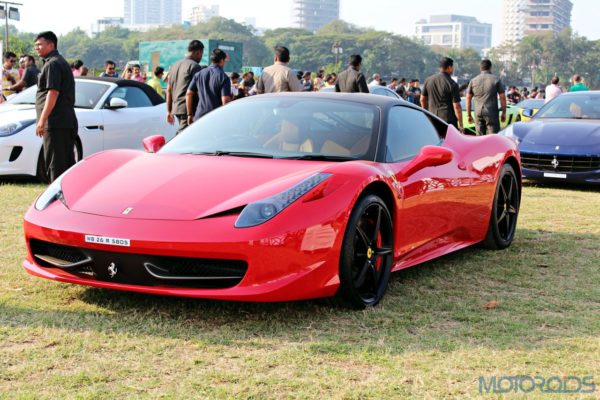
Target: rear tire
[505, 210]
[367, 253]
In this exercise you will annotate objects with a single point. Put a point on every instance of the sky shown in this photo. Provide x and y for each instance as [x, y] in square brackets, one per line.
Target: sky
[398, 16]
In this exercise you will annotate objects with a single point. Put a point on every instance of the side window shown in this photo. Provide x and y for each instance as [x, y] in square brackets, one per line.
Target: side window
[408, 131]
[134, 96]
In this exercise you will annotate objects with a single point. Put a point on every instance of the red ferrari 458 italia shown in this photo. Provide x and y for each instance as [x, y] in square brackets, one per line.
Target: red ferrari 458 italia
[276, 198]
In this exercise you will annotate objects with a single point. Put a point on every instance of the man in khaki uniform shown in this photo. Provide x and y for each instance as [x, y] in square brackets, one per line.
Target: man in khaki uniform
[279, 77]
[485, 89]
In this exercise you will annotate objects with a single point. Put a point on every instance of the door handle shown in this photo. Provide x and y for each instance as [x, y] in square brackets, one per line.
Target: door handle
[94, 128]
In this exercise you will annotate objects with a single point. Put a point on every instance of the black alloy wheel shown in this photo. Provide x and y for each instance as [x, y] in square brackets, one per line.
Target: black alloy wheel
[367, 253]
[505, 210]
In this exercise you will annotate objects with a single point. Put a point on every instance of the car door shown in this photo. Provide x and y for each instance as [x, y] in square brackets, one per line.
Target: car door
[431, 214]
[88, 95]
[125, 128]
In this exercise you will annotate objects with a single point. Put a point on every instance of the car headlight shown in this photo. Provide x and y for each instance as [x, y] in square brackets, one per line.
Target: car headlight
[261, 211]
[15, 127]
[50, 195]
[53, 192]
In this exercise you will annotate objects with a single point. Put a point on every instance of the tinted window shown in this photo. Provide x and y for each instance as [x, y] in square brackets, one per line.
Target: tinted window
[531, 103]
[283, 127]
[407, 132]
[134, 96]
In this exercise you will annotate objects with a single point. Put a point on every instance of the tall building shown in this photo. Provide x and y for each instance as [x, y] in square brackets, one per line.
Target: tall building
[455, 31]
[313, 14]
[140, 14]
[528, 17]
[202, 13]
[108, 22]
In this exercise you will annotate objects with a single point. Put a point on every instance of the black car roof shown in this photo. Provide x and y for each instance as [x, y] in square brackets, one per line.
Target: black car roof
[365, 98]
[384, 102]
[151, 93]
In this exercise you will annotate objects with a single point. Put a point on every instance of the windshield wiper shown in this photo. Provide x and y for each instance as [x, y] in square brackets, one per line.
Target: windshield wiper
[231, 153]
[320, 157]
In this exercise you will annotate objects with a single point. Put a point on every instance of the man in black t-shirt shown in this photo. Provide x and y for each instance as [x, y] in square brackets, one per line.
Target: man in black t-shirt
[441, 95]
[55, 107]
[30, 75]
[513, 95]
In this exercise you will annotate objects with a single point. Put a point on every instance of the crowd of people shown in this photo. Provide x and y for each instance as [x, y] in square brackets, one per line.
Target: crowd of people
[193, 90]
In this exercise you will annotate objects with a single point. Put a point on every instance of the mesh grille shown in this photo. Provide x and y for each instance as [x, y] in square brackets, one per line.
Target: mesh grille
[202, 268]
[211, 273]
[65, 253]
[546, 162]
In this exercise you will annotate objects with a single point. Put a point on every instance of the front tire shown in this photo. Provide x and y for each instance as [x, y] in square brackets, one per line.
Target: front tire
[505, 210]
[366, 256]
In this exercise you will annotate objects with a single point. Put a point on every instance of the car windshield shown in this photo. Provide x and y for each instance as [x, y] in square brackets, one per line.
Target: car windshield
[463, 104]
[283, 127]
[579, 106]
[531, 104]
[87, 94]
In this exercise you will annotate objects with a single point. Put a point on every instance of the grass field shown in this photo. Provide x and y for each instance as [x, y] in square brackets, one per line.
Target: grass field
[533, 309]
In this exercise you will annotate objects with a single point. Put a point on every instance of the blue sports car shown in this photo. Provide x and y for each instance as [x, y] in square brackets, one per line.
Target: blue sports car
[561, 142]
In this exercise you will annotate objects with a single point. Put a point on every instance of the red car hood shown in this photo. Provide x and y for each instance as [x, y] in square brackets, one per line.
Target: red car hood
[176, 187]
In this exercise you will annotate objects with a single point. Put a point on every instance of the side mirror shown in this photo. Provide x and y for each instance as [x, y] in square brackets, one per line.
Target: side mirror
[429, 156]
[116, 103]
[528, 112]
[152, 144]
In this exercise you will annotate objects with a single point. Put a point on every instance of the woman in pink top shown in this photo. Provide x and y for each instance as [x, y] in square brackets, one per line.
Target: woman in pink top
[137, 74]
[76, 68]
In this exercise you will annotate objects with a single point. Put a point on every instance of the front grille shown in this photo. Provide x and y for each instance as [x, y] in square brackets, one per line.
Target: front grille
[140, 269]
[563, 163]
[67, 254]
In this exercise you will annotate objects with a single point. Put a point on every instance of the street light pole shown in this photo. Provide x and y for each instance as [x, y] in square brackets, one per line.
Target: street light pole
[6, 3]
[6, 25]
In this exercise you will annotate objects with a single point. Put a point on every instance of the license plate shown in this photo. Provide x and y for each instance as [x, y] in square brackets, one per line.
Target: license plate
[107, 240]
[551, 175]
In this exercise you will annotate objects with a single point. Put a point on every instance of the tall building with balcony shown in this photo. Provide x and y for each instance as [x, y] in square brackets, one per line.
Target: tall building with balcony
[455, 31]
[202, 13]
[141, 14]
[313, 14]
[521, 18]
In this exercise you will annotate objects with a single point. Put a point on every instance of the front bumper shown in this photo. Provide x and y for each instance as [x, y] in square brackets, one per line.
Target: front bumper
[588, 177]
[17, 157]
[287, 258]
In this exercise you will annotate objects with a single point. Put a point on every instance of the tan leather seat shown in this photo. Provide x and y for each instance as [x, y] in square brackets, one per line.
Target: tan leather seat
[289, 139]
[332, 148]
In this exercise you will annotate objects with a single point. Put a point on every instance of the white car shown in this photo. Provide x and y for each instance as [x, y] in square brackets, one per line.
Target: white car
[373, 89]
[112, 114]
